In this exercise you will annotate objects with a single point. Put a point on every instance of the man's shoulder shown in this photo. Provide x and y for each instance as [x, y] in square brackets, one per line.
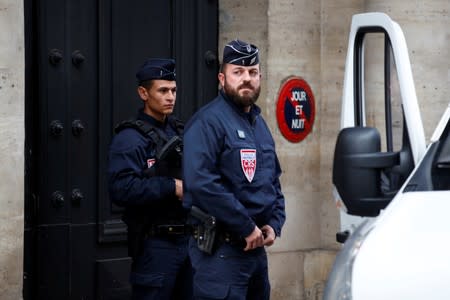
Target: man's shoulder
[128, 138]
[213, 110]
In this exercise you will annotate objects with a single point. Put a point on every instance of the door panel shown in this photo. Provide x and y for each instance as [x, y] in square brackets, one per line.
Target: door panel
[112, 278]
[81, 58]
[82, 109]
[139, 29]
[196, 27]
[53, 263]
[131, 32]
[52, 56]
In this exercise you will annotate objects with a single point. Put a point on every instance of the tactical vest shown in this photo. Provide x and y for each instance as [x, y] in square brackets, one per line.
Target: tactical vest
[168, 151]
[139, 220]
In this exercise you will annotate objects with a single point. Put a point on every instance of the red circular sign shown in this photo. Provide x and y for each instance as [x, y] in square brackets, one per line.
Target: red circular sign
[295, 109]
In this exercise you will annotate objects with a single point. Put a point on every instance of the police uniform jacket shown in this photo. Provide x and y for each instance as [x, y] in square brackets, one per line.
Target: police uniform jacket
[231, 170]
[131, 153]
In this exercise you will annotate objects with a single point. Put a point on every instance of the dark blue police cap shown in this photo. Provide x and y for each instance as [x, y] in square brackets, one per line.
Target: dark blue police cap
[156, 68]
[240, 53]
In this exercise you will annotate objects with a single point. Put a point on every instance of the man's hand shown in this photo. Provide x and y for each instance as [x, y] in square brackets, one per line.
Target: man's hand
[254, 240]
[179, 188]
[269, 235]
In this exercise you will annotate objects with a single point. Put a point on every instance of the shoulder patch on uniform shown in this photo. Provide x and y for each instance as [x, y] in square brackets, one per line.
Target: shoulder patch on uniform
[150, 162]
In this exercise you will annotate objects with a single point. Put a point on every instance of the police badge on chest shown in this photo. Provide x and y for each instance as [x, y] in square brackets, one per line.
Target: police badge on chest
[248, 163]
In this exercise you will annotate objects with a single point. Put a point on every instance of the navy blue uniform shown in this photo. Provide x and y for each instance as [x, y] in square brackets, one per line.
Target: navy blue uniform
[231, 171]
[161, 267]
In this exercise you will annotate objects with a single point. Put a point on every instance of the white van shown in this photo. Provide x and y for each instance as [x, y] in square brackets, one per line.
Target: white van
[393, 187]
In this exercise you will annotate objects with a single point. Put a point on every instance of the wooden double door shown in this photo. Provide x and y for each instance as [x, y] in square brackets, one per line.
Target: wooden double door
[81, 59]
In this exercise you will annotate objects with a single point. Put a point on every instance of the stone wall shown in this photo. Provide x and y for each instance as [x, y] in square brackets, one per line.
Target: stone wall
[12, 132]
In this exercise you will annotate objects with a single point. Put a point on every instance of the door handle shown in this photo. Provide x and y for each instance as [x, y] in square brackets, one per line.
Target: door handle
[210, 58]
[55, 56]
[56, 128]
[57, 199]
[77, 127]
[77, 58]
[77, 196]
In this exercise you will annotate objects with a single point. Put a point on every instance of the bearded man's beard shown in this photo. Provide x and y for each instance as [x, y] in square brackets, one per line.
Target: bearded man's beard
[245, 100]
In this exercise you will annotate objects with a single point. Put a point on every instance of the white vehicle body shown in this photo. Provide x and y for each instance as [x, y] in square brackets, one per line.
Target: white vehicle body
[403, 253]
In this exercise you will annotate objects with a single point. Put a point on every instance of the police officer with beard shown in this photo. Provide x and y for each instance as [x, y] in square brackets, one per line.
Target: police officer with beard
[145, 178]
[231, 173]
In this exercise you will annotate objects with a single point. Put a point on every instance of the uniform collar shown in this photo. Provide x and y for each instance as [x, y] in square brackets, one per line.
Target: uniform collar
[145, 117]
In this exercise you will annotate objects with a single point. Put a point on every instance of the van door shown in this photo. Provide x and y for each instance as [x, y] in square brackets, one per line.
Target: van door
[379, 101]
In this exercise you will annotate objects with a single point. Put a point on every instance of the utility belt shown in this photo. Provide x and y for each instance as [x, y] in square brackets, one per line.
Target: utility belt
[225, 237]
[220, 237]
[168, 230]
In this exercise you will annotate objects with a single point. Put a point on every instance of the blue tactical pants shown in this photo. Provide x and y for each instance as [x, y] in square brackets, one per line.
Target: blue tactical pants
[163, 271]
[230, 273]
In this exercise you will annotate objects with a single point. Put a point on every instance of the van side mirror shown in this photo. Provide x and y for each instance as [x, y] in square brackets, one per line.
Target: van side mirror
[357, 170]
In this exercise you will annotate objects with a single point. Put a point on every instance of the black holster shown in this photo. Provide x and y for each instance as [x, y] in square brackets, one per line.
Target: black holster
[205, 233]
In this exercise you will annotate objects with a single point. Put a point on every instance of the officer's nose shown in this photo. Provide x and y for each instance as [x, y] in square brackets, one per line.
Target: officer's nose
[171, 95]
[246, 76]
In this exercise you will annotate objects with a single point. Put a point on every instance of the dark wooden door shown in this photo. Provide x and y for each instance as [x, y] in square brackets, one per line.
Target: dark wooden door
[81, 58]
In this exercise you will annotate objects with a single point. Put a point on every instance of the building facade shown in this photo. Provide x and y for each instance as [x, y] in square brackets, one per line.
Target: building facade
[303, 38]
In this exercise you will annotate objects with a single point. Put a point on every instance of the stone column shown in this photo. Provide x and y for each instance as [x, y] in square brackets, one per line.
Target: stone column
[298, 264]
[12, 130]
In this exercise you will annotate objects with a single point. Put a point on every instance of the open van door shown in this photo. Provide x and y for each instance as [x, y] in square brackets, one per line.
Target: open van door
[382, 137]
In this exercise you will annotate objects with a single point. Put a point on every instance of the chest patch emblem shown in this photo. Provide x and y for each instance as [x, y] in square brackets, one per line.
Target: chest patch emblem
[150, 162]
[248, 163]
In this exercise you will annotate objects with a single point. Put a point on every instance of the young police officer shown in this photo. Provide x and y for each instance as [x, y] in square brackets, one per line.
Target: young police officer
[231, 172]
[145, 178]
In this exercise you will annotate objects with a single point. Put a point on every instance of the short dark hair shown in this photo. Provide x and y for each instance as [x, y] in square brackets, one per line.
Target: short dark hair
[147, 84]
